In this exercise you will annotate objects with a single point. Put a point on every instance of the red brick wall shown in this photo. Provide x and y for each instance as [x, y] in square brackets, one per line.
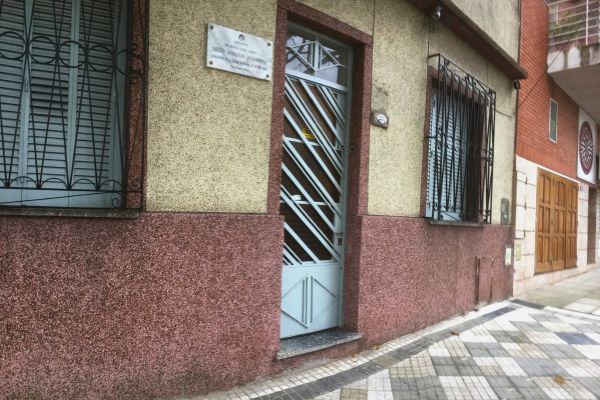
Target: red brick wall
[533, 142]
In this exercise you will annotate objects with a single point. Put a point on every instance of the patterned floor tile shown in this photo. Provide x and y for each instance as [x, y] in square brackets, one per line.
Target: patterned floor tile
[590, 351]
[489, 366]
[486, 350]
[580, 368]
[478, 334]
[580, 307]
[526, 353]
[539, 337]
[591, 384]
[335, 395]
[558, 351]
[354, 394]
[418, 366]
[503, 387]
[540, 367]
[570, 389]
[417, 388]
[575, 338]
[467, 387]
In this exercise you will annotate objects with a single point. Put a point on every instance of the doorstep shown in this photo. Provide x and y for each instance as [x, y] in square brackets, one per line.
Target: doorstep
[298, 345]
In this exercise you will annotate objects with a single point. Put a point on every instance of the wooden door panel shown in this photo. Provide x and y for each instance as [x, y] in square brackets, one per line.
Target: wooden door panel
[556, 227]
[544, 217]
[571, 225]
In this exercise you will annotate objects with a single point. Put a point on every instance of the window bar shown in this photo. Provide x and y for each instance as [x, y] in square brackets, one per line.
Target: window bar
[442, 112]
[475, 206]
[462, 153]
[456, 143]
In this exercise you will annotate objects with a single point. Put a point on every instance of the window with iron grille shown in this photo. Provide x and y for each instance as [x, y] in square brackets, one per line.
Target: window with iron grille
[460, 145]
[65, 71]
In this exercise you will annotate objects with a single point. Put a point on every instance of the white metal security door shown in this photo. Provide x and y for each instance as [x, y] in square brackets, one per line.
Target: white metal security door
[313, 184]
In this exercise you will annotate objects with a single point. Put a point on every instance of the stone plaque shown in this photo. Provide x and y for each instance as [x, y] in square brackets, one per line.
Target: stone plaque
[239, 52]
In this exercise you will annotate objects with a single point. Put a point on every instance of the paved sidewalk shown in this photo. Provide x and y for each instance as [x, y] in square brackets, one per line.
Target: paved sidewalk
[580, 293]
[504, 351]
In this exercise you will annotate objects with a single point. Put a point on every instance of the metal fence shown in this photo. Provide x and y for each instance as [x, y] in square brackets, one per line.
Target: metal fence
[574, 21]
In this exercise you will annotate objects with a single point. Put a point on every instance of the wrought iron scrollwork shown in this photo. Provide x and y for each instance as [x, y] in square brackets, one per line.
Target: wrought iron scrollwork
[460, 144]
[72, 102]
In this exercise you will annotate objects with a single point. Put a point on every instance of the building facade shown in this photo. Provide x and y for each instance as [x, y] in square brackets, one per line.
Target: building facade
[170, 228]
[556, 160]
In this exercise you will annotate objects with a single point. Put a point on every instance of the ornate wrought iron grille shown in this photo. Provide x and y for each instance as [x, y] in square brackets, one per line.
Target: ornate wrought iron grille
[460, 144]
[72, 102]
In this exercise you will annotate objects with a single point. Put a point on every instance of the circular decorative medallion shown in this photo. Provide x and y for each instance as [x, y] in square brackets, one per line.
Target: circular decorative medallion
[586, 147]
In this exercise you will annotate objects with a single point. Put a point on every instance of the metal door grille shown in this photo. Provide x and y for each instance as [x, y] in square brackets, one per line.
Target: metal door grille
[313, 181]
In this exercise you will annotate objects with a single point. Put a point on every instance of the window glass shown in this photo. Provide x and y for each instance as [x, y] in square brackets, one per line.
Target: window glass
[553, 120]
[316, 56]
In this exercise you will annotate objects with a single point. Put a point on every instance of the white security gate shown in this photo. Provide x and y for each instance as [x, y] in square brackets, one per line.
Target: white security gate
[313, 190]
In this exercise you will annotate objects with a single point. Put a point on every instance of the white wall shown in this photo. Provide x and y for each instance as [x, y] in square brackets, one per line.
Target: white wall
[525, 224]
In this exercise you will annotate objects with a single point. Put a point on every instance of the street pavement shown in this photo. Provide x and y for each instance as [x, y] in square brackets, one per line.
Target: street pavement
[543, 345]
[580, 293]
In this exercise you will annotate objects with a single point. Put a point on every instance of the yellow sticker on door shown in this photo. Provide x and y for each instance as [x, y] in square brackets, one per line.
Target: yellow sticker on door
[308, 134]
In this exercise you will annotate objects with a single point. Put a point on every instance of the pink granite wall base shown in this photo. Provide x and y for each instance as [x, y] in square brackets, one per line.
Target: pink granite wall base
[166, 304]
[182, 304]
[414, 274]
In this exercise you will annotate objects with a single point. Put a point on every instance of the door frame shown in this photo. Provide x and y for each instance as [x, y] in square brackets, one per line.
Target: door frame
[290, 11]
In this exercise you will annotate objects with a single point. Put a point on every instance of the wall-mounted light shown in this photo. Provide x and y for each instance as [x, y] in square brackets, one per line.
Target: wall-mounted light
[436, 14]
[517, 84]
[380, 119]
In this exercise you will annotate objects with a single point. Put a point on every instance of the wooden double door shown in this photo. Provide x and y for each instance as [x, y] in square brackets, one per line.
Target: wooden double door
[556, 223]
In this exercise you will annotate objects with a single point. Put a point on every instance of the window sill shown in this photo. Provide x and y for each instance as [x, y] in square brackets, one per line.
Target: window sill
[457, 223]
[70, 213]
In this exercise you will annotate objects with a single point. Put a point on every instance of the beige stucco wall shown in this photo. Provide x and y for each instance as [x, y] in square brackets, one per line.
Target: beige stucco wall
[399, 87]
[500, 19]
[208, 141]
[209, 130]
[356, 13]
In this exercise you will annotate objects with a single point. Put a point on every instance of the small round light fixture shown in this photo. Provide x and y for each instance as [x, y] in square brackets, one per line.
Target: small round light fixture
[380, 119]
[436, 14]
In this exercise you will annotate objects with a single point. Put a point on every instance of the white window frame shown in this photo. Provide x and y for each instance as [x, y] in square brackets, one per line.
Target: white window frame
[555, 140]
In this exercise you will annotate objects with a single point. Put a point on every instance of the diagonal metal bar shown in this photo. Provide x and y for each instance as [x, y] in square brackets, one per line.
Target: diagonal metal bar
[299, 240]
[322, 113]
[307, 196]
[306, 115]
[312, 151]
[309, 223]
[326, 93]
[310, 176]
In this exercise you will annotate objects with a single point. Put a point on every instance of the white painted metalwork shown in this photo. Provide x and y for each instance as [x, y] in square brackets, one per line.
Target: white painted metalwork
[574, 21]
[313, 181]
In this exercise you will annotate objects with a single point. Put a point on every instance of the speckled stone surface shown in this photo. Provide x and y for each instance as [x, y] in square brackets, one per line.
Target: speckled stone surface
[304, 344]
[357, 13]
[208, 130]
[413, 274]
[176, 304]
[400, 49]
[500, 23]
[165, 304]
